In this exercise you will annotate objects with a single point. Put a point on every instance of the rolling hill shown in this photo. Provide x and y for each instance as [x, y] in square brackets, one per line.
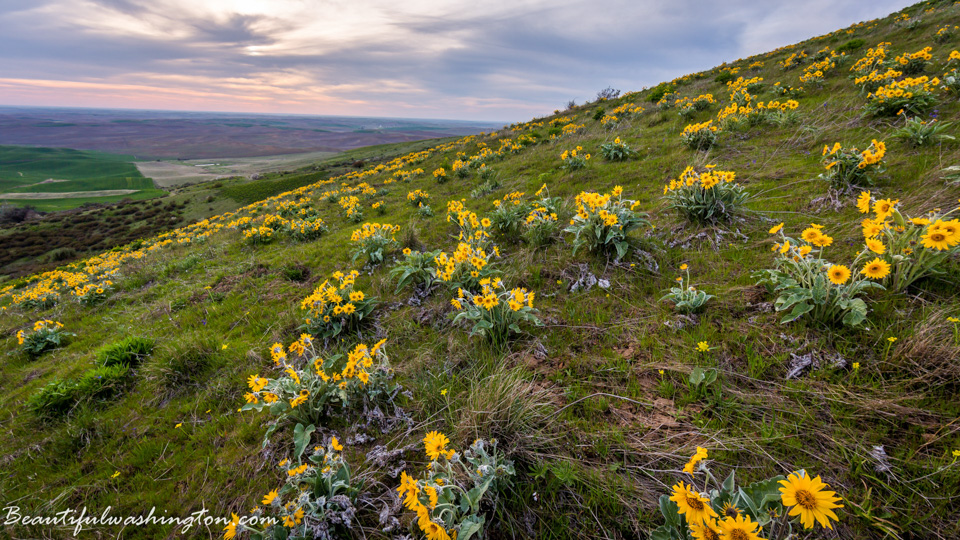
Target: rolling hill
[213, 368]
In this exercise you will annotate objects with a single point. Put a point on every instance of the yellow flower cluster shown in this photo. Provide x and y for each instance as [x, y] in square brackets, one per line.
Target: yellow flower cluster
[905, 88]
[370, 230]
[923, 55]
[576, 152]
[417, 196]
[690, 177]
[466, 258]
[350, 205]
[788, 105]
[872, 60]
[793, 60]
[691, 129]
[333, 299]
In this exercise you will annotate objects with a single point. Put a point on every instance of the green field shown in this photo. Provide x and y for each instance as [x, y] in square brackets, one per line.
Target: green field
[62, 170]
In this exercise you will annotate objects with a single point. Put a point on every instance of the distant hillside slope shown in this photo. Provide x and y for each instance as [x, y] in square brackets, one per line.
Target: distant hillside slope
[809, 193]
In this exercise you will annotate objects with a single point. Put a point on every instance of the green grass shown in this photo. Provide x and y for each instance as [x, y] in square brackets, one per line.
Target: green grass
[24, 164]
[88, 184]
[580, 404]
[56, 205]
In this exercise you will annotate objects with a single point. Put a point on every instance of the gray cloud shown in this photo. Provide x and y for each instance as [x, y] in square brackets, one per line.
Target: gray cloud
[501, 61]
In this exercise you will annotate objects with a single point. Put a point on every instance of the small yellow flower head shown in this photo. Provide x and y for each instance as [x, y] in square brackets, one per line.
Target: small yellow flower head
[683, 266]
[443, 392]
[856, 366]
[703, 346]
[891, 339]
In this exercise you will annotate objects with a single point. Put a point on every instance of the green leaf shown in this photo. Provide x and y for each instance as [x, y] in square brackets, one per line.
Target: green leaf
[798, 311]
[728, 484]
[670, 511]
[301, 438]
[469, 527]
[664, 532]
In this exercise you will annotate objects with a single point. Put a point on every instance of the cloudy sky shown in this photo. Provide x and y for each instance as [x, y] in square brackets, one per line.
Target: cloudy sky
[501, 60]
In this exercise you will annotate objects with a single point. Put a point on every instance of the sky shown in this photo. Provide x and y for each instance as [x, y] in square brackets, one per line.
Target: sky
[491, 60]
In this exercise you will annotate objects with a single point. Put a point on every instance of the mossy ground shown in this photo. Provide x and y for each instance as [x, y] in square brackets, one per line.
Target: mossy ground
[597, 432]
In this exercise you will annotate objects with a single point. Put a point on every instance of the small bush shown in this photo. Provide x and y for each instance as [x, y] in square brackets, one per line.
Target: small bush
[416, 268]
[706, 197]
[374, 241]
[130, 351]
[46, 336]
[686, 299]
[185, 362]
[919, 132]
[495, 313]
[850, 46]
[608, 93]
[603, 222]
[57, 398]
[616, 150]
[701, 136]
[102, 382]
[847, 168]
[723, 77]
[658, 91]
[336, 307]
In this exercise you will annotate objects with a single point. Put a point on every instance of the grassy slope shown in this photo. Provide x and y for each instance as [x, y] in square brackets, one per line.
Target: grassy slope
[597, 466]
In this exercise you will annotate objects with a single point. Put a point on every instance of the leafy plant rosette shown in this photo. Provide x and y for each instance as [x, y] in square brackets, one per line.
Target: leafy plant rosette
[809, 285]
[508, 214]
[336, 307]
[418, 196]
[771, 509]
[450, 496]
[311, 388]
[542, 223]
[495, 312]
[686, 298]
[374, 240]
[316, 500]
[848, 168]
[616, 150]
[909, 248]
[46, 336]
[574, 159]
[603, 221]
[416, 268]
[706, 197]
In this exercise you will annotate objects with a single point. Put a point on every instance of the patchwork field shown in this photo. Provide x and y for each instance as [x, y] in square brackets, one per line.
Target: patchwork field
[51, 179]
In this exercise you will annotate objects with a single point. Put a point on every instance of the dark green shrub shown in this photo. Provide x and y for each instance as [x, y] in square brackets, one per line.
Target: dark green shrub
[102, 382]
[659, 91]
[130, 351]
[723, 77]
[185, 363]
[598, 114]
[851, 45]
[54, 399]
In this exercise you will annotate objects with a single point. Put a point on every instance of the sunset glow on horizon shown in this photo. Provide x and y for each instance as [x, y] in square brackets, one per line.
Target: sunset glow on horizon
[496, 61]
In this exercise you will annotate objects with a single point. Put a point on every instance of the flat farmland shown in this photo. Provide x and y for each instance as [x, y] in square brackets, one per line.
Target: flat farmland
[166, 173]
